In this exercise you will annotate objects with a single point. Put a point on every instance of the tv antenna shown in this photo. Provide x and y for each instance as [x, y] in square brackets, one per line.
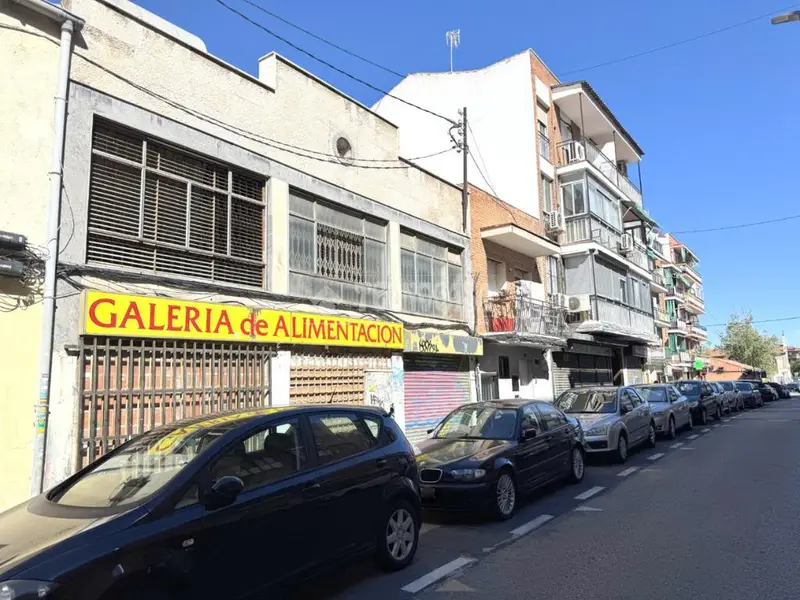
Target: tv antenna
[453, 38]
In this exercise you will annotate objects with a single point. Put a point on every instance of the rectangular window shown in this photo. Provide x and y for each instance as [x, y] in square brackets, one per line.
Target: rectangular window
[335, 254]
[547, 194]
[157, 208]
[623, 290]
[635, 298]
[432, 278]
[503, 367]
[604, 207]
[572, 198]
[495, 275]
[555, 276]
[339, 436]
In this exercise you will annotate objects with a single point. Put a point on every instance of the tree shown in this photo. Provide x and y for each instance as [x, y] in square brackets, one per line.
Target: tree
[743, 343]
[794, 366]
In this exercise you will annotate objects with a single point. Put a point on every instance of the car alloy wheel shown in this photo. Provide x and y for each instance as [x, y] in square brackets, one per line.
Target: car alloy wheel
[690, 424]
[718, 415]
[400, 534]
[704, 417]
[578, 465]
[671, 433]
[622, 449]
[505, 495]
[651, 436]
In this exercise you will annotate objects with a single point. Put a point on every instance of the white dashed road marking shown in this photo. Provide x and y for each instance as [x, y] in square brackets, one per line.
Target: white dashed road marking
[585, 508]
[438, 574]
[628, 471]
[677, 445]
[655, 456]
[589, 493]
[531, 525]
[427, 528]
[727, 420]
[705, 431]
[687, 448]
[693, 436]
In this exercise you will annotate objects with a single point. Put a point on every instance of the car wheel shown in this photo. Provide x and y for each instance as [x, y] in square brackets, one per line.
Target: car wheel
[672, 433]
[622, 448]
[718, 413]
[397, 541]
[505, 495]
[577, 465]
[651, 436]
[704, 416]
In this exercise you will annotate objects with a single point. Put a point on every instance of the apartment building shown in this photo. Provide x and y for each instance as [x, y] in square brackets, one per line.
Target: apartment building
[557, 153]
[257, 244]
[657, 366]
[684, 305]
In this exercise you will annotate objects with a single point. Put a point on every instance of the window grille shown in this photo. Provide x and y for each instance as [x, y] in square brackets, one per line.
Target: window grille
[431, 277]
[158, 209]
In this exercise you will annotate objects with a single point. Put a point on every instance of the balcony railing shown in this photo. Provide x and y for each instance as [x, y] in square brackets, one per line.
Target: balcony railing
[544, 146]
[656, 354]
[588, 228]
[614, 312]
[691, 270]
[658, 248]
[698, 330]
[520, 314]
[658, 278]
[673, 291]
[692, 296]
[679, 356]
[574, 151]
[678, 324]
[661, 316]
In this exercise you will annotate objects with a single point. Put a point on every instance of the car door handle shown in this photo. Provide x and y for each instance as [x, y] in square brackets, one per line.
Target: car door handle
[381, 462]
[312, 488]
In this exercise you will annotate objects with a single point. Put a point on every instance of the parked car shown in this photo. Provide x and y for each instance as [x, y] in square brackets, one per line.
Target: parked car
[484, 455]
[736, 398]
[188, 510]
[726, 397]
[614, 419]
[704, 398]
[792, 386]
[779, 389]
[671, 410]
[767, 393]
[750, 394]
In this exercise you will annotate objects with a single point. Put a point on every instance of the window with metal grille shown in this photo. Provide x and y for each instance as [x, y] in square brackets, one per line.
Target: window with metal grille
[156, 208]
[432, 279]
[335, 254]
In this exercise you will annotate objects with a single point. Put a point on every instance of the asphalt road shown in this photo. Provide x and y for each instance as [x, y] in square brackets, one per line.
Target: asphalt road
[713, 514]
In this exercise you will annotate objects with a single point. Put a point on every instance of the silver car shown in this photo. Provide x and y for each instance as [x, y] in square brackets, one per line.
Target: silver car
[671, 410]
[614, 419]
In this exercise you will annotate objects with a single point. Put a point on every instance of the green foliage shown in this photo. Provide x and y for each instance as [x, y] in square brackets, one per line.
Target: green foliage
[743, 343]
[795, 367]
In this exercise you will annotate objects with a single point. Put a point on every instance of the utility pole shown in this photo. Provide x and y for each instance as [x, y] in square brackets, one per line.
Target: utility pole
[465, 163]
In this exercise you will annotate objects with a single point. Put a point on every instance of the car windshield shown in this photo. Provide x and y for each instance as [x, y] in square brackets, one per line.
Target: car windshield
[727, 385]
[653, 394]
[689, 387]
[147, 464]
[479, 422]
[745, 387]
[588, 401]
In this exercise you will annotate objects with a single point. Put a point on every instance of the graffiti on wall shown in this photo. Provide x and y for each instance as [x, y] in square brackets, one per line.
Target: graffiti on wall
[378, 389]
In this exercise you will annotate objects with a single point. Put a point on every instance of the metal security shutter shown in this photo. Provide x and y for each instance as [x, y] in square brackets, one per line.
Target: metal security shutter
[561, 372]
[333, 377]
[128, 386]
[635, 366]
[434, 385]
[580, 370]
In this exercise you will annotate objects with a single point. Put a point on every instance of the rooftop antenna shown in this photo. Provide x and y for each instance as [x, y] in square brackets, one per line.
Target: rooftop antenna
[453, 40]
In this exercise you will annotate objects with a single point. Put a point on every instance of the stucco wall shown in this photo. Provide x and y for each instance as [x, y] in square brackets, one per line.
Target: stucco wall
[29, 64]
[131, 60]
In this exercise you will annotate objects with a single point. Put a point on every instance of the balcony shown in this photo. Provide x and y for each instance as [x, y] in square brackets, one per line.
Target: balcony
[674, 293]
[658, 284]
[678, 326]
[656, 355]
[691, 271]
[524, 319]
[577, 151]
[695, 301]
[658, 248]
[698, 331]
[544, 147]
[680, 358]
[661, 318]
[614, 318]
[588, 228]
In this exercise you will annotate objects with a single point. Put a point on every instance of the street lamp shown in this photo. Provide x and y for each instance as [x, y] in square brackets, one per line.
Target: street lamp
[786, 17]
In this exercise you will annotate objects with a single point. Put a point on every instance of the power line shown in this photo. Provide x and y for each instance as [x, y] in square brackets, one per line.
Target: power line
[330, 65]
[322, 39]
[741, 226]
[480, 155]
[761, 321]
[681, 42]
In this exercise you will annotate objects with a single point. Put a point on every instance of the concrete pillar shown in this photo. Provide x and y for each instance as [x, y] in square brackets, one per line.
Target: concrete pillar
[279, 372]
[398, 390]
[395, 275]
[278, 236]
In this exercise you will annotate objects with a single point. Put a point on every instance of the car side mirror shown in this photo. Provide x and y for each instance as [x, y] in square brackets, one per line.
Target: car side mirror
[430, 431]
[624, 410]
[528, 434]
[223, 492]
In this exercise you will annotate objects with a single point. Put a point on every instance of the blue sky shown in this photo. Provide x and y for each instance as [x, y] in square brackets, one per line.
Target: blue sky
[718, 118]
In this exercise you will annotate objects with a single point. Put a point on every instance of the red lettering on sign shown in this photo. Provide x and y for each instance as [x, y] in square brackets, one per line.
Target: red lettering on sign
[224, 321]
[247, 325]
[132, 313]
[316, 329]
[191, 319]
[362, 333]
[280, 326]
[152, 323]
[397, 335]
[372, 333]
[93, 313]
[173, 314]
[329, 330]
[386, 334]
[262, 327]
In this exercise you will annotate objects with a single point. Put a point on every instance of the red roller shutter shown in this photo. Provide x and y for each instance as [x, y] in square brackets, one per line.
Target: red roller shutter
[434, 385]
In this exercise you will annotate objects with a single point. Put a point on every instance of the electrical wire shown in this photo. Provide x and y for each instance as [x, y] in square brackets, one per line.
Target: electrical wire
[780, 320]
[681, 42]
[474, 139]
[740, 226]
[330, 65]
[322, 39]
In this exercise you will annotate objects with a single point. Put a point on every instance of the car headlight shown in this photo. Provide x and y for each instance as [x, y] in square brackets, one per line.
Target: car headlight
[462, 475]
[599, 430]
[20, 589]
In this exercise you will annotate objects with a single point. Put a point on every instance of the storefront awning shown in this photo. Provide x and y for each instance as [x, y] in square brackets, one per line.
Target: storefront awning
[606, 328]
[531, 340]
[520, 240]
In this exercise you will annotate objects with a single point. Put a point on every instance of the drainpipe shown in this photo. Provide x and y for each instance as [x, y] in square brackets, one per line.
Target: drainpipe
[69, 24]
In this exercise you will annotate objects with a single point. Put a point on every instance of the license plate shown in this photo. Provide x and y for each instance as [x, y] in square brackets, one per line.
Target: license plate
[428, 493]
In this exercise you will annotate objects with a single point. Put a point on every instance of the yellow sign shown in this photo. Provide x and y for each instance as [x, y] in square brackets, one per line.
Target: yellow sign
[431, 342]
[140, 316]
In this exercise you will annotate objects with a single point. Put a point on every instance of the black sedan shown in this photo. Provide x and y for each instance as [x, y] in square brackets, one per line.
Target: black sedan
[780, 390]
[767, 393]
[705, 400]
[750, 394]
[483, 455]
[222, 506]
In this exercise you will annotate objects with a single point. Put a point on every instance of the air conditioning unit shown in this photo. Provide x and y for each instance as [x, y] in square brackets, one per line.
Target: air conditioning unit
[579, 303]
[555, 222]
[626, 243]
[559, 300]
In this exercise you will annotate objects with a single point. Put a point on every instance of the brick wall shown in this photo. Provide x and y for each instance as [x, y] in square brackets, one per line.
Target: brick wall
[488, 211]
[538, 69]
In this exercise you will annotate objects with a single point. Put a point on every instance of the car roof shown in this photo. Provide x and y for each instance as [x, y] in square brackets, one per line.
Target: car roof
[265, 414]
[651, 385]
[598, 388]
